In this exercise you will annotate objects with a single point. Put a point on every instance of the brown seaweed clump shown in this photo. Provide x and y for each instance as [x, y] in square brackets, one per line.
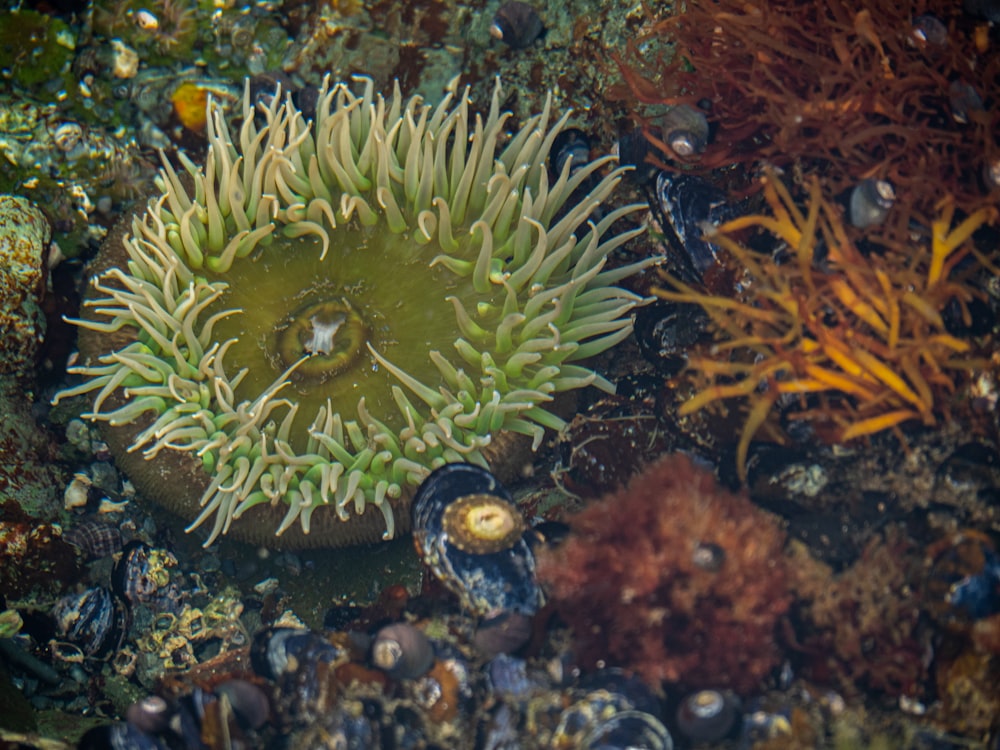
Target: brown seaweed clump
[862, 341]
[861, 628]
[861, 88]
[674, 578]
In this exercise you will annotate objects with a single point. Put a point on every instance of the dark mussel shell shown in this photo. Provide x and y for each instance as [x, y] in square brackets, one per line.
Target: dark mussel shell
[666, 331]
[517, 25]
[121, 735]
[571, 146]
[468, 531]
[142, 575]
[689, 204]
[278, 651]
[301, 664]
[629, 730]
[92, 620]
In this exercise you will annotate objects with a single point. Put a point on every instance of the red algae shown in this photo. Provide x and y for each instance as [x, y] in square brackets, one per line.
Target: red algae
[673, 578]
[861, 627]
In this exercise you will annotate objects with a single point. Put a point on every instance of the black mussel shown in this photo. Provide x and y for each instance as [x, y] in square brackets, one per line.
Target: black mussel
[96, 538]
[623, 690]
[264, 87]
[928, 31]
[689, 205]
[708, 715]
[301, 664]
[965, 102]
[119, 736]
[870, 202]
[142, 576]
[685, 130]
[666, 331]
[586, 717]
[517, 25]
[508, 676]
[470, 534]
[629, 730]
[963, 579]
[986, 9]
[92, 621]
[571, 147]
[402, 651]
[277, 651]
[633, 149]
[349, 725]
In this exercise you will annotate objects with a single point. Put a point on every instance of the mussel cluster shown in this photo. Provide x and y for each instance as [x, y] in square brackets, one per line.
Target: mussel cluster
[423, 676]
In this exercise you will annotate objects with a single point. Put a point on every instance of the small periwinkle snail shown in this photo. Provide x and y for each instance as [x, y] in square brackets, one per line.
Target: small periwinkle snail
[402, 651]
[470, 534]
[685, 130]
[928, 31]
[965, 102]
[870, 202]
[517, 25]
[708, 715]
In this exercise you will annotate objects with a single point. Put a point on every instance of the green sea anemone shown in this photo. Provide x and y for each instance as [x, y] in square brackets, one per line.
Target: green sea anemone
[286, 341]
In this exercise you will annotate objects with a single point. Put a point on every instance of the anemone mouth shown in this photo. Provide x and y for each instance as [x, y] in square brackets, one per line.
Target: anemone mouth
[307, 326]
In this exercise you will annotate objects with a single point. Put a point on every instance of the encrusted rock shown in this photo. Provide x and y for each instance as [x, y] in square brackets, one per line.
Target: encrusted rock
[24, 242]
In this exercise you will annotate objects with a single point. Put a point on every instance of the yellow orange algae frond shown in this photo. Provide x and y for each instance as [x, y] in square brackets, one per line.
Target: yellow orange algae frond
[858, 339]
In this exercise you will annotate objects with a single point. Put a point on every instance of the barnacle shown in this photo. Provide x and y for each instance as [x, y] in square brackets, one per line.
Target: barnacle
[858, 338]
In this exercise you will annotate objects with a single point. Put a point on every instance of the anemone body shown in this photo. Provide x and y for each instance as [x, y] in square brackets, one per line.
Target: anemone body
[288, 339]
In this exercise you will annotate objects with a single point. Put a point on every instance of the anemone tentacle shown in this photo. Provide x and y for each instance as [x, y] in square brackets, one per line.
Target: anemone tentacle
[523, 252]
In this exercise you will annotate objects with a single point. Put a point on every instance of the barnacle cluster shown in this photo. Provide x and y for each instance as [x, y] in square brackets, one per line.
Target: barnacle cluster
[859, 339]
[300, 330]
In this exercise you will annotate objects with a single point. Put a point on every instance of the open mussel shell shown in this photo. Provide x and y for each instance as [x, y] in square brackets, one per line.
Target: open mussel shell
[470, 534]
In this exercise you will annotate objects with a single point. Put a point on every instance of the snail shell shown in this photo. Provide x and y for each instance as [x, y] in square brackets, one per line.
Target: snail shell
[928, 31]
[685, 130]
[96, 538]
[871, 201]
[517, 25]
[402, 651]
[708, 715]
